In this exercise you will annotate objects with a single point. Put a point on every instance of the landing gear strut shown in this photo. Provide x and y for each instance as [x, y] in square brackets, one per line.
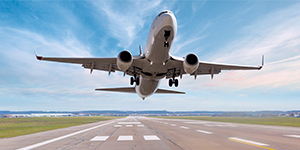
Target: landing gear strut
[135, 79]
[173, 81]
[167, 34]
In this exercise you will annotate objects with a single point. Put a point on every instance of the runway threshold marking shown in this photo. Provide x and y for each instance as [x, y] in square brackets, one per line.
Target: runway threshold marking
[151, 138]
[125, 138]
[206, 132]
[100, 138]
[257, 144]
[294, 136]
[62, 137]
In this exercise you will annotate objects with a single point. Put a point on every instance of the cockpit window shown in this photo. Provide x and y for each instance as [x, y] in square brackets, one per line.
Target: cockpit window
[164, 12]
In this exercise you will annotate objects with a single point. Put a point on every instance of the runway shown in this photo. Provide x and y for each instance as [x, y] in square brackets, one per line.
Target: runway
[141, 133]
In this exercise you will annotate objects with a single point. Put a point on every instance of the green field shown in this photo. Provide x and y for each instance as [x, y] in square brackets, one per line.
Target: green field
[10, 127]
[279, 121]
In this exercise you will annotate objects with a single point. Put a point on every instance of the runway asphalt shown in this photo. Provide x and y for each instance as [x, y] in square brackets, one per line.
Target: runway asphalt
[141, 133]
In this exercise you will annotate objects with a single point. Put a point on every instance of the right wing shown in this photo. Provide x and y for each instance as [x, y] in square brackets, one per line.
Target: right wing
[103, 64]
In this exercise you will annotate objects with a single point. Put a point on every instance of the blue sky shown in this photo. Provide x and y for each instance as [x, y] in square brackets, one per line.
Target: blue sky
[237, 32]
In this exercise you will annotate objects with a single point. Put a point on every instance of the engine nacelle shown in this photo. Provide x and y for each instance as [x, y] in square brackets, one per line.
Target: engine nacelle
[190, 63]
[124, 60]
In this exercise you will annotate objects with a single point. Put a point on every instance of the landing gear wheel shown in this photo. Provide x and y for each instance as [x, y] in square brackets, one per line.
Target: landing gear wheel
[131, 81]
[176, 82]
[137, 80]
[170, 82]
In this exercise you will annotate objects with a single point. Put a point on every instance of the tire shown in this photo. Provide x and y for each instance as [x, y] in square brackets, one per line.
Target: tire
[131, 81]
[170, 82]
[176, 82]
[137, 81]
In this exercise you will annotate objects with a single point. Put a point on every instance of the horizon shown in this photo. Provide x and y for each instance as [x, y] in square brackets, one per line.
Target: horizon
[235, 32]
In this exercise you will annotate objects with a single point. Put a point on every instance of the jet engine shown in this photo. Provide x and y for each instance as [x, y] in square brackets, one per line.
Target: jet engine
[190, 63]
[124, 60]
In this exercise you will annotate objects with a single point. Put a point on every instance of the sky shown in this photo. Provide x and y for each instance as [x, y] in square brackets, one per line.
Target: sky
[235, 32]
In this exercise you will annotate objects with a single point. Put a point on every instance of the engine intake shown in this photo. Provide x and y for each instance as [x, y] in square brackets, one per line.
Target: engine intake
[190, 63]
[124, 60]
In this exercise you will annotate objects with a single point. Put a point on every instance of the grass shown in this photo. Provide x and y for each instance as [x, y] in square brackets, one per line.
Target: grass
[278, 121]
[11, 127]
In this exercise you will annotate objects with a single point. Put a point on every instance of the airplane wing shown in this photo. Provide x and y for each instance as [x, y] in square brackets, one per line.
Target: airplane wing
[205, 68]
[132, 90]
[103, 64]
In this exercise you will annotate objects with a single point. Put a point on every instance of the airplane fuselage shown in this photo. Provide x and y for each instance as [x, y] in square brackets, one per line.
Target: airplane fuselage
[157, 53]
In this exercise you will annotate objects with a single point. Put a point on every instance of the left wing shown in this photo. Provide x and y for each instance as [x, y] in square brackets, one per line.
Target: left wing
[205, 68]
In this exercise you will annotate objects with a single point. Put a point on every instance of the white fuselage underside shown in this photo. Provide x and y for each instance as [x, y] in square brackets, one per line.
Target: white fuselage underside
[156, 53]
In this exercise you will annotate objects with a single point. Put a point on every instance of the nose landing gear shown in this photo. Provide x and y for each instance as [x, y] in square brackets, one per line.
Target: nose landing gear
[167, 34]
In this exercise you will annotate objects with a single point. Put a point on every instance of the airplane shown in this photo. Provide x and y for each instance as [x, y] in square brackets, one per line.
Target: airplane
[155, 63]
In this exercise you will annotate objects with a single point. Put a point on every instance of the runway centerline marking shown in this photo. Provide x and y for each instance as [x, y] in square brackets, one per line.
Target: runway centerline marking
[117, 126]
[173, 125]
[183, 127]
[62, 137]
[151, 137]
[294, 136]
[129, 122]
[257, 144]
[129, 125]
[140, 125]
[125, 138]
[206, 132]
[100, 138]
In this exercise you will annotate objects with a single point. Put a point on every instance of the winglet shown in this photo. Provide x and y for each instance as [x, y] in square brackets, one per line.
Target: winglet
[37, 57]
[262, 62]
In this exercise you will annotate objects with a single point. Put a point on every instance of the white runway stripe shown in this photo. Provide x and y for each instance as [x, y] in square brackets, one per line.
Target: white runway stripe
[151, 137]
[62, 137]
[117, 126]
[125, 138]
[173, 125]
[183, 127]
[294, 136]
[247, 141]
[129, 122]
[202, 131]
[129, 125]
[141, 125]
[100, 138]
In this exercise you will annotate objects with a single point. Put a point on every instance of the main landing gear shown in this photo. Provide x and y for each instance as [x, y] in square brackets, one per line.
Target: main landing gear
[135, 79]
[173, 81]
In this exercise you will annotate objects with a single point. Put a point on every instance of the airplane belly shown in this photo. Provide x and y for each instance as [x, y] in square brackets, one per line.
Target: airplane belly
[159, 52]
[146, 87]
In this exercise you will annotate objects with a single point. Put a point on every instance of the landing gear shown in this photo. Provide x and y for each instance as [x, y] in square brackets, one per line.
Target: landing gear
[135, 79]
[173, 81]
[167, 34]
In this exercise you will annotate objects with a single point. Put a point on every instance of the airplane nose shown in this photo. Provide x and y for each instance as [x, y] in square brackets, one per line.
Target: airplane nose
[168, 19]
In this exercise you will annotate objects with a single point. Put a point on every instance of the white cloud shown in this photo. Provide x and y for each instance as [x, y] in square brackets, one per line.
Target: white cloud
[276, 36]
[124, 23]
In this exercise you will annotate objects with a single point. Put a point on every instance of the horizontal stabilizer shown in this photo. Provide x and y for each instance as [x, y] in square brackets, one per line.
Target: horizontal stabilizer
[124, 89]
[163, 91]
[132, 90]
